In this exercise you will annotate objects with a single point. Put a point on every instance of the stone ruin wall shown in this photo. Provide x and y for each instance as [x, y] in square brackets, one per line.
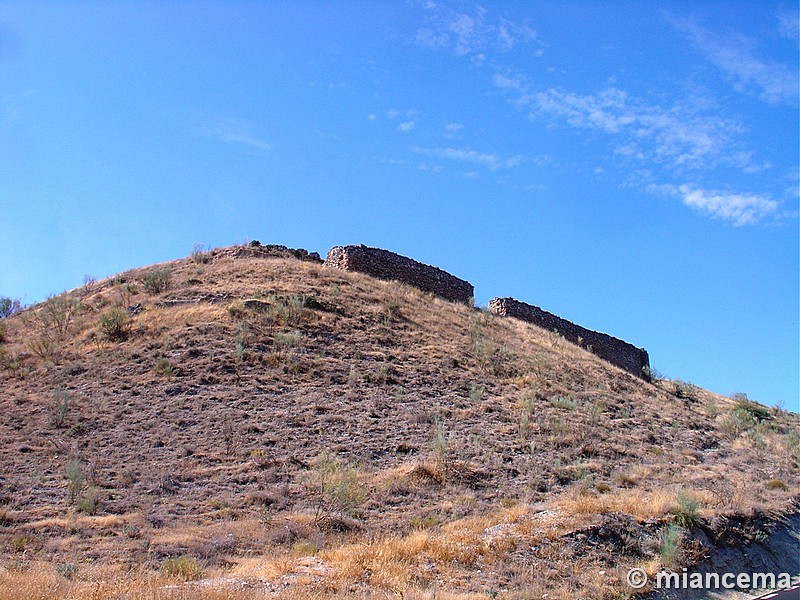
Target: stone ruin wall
[387, 265]
[390, 266]
[618, 352]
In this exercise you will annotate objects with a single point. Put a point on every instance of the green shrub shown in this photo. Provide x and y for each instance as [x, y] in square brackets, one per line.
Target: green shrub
[683, 389]
[157, 280]
[60, 407]
[745, 417]
[686, 512]
[565, 402]
[54, 317]
[2, 331]
[67, 570]
[42, 347]
[164, 367]
[200, 254]
[183, 567]
[288, 310]
[338, 485]
[9, 306]
[89, 503]
[391, 311]
[75, 478]
[776, 484]
[8, 360]
[754, 409]
[115, 323]
[669, 546]
[493, 358]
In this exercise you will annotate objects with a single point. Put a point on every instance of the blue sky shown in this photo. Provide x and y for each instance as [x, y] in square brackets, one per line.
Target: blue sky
[630, 166]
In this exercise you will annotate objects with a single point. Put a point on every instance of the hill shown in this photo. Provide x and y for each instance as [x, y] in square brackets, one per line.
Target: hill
[257, 425]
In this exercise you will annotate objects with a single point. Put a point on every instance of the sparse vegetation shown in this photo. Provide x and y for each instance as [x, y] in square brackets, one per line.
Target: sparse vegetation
[746, 417]
[88, 503]
[686, 512]
[9, 306]
[76, 476]
[60, 407]
[200, 254]
[55, 316]
[42, 347]
[115, 323]
[685, 390]
[564, 402]
[183, 567]
[157, 280]
[164, 367]
[669, 546]
[337, 488]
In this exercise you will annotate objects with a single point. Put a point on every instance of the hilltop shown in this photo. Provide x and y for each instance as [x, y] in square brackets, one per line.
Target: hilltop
[258, 424]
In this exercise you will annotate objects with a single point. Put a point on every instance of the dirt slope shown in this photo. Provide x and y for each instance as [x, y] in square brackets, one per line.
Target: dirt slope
[293, 429]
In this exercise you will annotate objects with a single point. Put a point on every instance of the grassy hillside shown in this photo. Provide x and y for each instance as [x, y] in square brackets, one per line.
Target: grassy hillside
[266, 426]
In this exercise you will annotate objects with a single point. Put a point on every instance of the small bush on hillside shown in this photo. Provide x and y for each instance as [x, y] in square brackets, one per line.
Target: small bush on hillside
[495, 359]
[391, 311]
[683, 389]
[758, 412]
[67, 570]
[60, 407]
[42, 347]
[9, 306]
[115, 323]
[183, 567]
[2, 331]
[164, 367]
[200, 254]
[565, 402]
[8, 360]
[669, 546]
[56, 314]
[76, 477]
[289, 310]
[745, 417]
[338, 488]
[776, 484]
[89, 503]
[157, 280]
[686, 511]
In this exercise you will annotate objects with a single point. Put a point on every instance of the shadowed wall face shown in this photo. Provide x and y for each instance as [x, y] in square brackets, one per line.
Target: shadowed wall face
[388, 265]
[618, 352]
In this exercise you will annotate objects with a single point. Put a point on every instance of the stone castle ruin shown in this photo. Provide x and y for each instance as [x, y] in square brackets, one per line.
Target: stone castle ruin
[383, 264]
[618, 352]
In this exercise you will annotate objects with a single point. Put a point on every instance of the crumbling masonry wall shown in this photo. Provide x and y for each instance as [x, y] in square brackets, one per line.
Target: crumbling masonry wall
[388, 265]
[618, 352]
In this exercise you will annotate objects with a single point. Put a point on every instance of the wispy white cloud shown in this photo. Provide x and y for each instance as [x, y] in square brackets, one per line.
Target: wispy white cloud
[405, 113]
[684, 138]
[232, 131]
[678, 137]
[736, 208]
[452, 131]
[789, 24]
[772, 82]
[405, 126]
[474, 33]
[652, 143]
[489, 160]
